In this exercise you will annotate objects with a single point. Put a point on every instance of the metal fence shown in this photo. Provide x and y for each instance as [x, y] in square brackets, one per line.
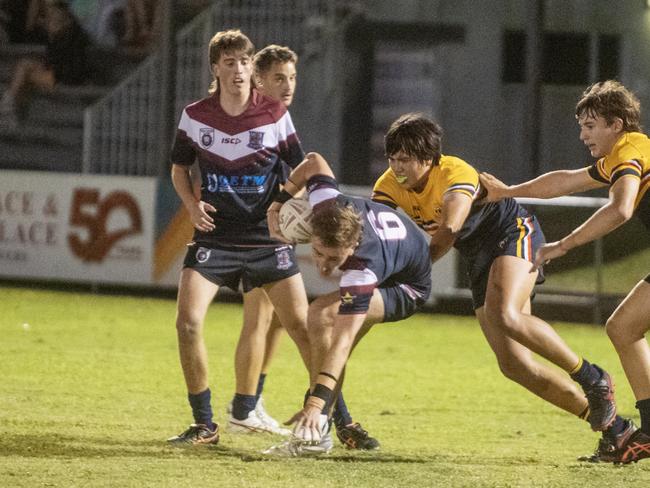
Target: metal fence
[122, 130]
[125, 132]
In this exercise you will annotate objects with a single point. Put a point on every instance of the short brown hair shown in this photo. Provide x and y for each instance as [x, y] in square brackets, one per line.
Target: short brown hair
[228, 41]
[273, 53]
[337, 226]
[416, 135]
[610, 99]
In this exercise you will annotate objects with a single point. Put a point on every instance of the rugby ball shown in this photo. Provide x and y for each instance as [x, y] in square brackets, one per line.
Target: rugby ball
[294, 220]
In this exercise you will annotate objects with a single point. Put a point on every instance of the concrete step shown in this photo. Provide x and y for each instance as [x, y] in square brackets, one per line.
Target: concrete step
[18, 50]
[21, 154]
[55, 134]
[11, 53]
[107, 67]
[47, 111]
[65, 105]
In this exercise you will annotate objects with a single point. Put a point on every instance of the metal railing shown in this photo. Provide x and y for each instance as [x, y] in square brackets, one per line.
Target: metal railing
[122, 130]
[595, 298]
[125, 133]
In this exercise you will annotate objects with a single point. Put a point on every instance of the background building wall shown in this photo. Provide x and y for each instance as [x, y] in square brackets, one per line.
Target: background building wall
[484, 118]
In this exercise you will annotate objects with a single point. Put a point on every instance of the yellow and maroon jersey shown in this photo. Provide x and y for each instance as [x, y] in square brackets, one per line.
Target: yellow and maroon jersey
[451, 175]
[629, 156]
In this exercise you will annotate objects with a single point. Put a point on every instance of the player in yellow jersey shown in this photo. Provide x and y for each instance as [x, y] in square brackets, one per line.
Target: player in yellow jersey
[498, 240]
[609, 119]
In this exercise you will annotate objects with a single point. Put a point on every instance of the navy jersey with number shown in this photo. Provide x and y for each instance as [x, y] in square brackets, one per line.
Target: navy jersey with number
[242, 159]
[392, 251]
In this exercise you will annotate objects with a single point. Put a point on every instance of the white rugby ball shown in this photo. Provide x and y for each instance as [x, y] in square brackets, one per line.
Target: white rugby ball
[294, 220]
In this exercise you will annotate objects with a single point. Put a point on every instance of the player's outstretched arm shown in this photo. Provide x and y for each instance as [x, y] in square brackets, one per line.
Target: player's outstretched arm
[549, 185]
[618, 210]
[495, 189]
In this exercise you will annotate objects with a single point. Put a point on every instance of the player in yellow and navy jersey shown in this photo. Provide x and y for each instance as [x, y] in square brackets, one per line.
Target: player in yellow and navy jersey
[451, 176]
[609, 118]
[498, 240]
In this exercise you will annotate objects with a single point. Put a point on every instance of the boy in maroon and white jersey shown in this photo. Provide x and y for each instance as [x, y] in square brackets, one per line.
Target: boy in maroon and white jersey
[245, 145]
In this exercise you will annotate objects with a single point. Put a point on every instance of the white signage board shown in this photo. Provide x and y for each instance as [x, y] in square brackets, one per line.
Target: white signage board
[82, 228]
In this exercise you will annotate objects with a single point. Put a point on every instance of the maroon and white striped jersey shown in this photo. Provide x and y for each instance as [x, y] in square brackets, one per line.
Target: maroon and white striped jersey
[243, 159]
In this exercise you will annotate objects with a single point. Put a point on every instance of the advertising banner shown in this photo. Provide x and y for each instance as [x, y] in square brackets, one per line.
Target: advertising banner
[83, 228]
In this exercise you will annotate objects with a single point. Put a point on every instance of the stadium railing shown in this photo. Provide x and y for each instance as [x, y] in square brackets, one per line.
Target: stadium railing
[124, 132]
[121, 132]
[594, 298]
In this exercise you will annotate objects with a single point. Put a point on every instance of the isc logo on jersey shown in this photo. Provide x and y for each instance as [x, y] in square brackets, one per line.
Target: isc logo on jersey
[230, 140]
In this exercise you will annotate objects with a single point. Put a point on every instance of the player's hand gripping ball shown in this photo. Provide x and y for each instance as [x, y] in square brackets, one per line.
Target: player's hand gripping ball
[294, 220]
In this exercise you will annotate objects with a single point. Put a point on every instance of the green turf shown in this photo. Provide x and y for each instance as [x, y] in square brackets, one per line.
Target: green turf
[92, 387]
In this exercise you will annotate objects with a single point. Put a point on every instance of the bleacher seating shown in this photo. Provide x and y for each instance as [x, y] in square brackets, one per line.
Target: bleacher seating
[50, 136]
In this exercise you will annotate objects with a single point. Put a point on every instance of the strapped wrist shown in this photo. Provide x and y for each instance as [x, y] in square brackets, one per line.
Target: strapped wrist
[315, 402]
[283, 196]
[322, 392]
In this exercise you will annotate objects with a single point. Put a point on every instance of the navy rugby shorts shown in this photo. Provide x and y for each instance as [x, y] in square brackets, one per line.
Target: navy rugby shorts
[521, 238]
[403, 300]
[254, 267]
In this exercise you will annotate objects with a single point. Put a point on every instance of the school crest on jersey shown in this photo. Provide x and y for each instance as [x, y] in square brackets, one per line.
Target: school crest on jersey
[206, 136]
[255, 139]
[283, 257]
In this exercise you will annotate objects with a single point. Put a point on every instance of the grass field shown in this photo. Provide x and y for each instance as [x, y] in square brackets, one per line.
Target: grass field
[92, 387]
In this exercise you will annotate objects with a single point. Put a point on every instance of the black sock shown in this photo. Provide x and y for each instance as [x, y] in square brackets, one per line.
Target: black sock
[616, 428]
[201, 408]
[260, 386]
[242, 405]
[587, 375]
[644, 410]
[341, 415]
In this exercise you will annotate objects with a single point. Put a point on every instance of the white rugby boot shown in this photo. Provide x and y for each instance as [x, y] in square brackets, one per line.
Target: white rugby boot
[252, 425]
[263, 415]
